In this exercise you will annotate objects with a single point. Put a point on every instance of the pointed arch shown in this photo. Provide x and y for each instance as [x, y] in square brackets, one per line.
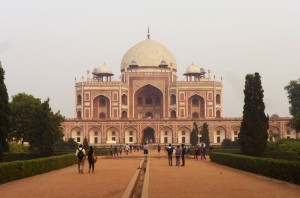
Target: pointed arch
[149, 101]
[166, 135]
[184, 135]
[219, 134]
[124, 114]
[173, 114]
[124, 99]
[77, 134]
[101, 107]
[95, 135]
[79, 99]
[196, 106]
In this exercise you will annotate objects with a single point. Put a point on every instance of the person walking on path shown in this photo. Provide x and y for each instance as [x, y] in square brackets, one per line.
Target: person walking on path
[116, 151]
[111, 150]
[202, 151]
[80, 154]
[146, 150]
[158, 148]
[178, 154]
[121, 149]
[197, 152]
[92, 158]
[126, 149]
[183, 154]
[170, 153]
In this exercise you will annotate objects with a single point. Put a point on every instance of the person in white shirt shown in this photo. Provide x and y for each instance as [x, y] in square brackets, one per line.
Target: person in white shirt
[80, 154]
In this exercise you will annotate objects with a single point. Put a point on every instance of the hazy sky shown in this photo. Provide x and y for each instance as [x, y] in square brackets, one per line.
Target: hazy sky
[44, 45]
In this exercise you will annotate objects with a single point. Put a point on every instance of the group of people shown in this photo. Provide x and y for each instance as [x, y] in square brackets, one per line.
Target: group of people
[127, 148]
[91, 157]
[200, 151]
[179, 152]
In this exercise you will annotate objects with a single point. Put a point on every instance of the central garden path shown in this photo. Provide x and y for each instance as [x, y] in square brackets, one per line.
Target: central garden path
[196, 179]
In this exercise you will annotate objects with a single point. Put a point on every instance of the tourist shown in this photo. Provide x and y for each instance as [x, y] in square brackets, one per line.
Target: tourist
[146, 150]
[178, 154]
[116, 151]
[91, 159]
[197, 152]
[170, 153]
[80, 153]
[183, 154]
[202, 151]
[158, 148]
[111, 150]
[121, 149]
[126, 149]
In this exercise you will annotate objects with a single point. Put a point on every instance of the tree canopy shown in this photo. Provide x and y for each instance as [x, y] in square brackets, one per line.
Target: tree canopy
[253, 135]
[34, 122]
[23, 110]
[293, 89]
[4, 115]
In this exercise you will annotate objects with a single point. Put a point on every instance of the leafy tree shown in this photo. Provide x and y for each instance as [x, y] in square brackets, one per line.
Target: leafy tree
[293, 89]
[68, 145]
[194, 135]
[205, 134]
[23, 113]
[47, 130]
[253, 136]
[85, 144]
[4, 115]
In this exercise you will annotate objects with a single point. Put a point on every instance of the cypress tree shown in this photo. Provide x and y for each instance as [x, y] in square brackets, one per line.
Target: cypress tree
[85, 144]
[194, 135]
[4, 115]
[253, 136]
[205, 134]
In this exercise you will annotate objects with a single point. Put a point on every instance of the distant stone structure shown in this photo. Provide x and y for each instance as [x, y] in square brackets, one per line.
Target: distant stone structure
[149, 104]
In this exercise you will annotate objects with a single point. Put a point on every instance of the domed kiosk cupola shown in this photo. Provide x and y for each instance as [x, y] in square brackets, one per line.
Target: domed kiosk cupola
[102, 73]
[163, 64]
[133, 64]
[194, 73]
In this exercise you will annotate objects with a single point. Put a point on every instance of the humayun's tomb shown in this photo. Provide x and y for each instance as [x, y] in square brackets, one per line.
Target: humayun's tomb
[150, 104]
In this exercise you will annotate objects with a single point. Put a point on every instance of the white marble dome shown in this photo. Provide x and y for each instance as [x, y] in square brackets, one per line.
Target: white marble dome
[192, 69]
[148, 53]
[103, 69]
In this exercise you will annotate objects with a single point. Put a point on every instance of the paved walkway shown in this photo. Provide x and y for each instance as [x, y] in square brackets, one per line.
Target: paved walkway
[196, 179]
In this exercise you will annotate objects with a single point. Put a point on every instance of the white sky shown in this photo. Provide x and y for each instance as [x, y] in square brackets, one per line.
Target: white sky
[44, 45]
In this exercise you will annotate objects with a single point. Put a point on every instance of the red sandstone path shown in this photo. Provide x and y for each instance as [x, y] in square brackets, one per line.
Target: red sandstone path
[196, 179]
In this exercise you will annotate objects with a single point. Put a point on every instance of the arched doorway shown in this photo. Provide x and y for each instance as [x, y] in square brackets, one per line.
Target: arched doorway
[148, 135]
[149, 102]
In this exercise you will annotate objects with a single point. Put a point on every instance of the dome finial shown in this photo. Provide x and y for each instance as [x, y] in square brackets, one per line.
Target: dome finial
[148, 35]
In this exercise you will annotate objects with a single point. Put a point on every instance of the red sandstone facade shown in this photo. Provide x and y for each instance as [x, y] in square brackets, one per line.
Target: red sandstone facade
[149, 103]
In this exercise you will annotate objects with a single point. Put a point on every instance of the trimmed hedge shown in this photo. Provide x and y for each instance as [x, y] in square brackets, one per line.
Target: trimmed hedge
[9, 157]
[282, 155]
[10, 171]
[275, 168]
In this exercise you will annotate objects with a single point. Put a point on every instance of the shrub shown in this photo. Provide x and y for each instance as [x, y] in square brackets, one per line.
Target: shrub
[275, 168]
[15, 147]
[10, 171]
[226, 143]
